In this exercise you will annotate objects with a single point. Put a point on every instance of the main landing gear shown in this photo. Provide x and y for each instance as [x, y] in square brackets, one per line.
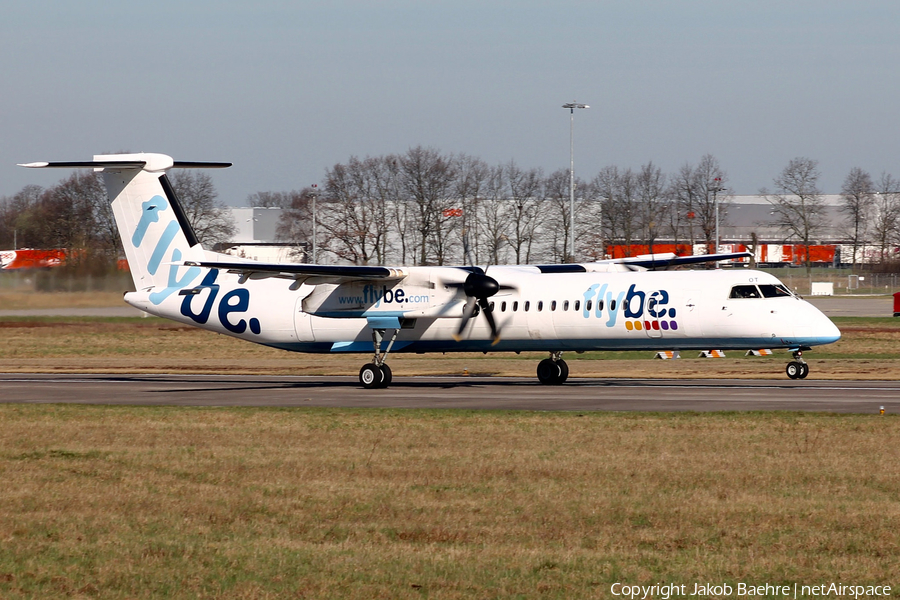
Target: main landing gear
[797, 368]
[553, 370]
[377, 374]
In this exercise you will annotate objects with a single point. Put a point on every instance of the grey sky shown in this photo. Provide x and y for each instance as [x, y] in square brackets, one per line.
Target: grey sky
[287, 89]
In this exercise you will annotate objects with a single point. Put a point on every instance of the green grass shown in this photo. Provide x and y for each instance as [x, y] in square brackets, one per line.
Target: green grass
[124, 502]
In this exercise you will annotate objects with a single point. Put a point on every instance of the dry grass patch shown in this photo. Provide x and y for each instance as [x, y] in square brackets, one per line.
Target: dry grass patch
[135, 345]
[147, 502]
[12, 300]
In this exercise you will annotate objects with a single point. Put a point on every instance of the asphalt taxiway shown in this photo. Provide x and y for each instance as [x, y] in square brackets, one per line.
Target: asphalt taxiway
[475, 393]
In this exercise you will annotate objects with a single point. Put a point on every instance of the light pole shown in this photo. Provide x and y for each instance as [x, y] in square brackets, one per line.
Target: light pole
[315, 193]
[715, 189]
[572, 106]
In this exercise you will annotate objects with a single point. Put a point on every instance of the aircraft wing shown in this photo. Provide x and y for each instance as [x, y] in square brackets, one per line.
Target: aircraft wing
[304, 272]
[656, 261]
[644, 261]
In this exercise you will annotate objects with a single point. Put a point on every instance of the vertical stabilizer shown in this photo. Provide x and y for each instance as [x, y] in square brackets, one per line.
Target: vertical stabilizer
[155, 232]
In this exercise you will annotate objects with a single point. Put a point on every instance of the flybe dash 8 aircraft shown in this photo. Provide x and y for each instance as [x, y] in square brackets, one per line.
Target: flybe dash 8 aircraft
[625, 304]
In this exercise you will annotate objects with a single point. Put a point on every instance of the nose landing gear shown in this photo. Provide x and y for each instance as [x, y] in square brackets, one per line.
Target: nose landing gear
[797, 368]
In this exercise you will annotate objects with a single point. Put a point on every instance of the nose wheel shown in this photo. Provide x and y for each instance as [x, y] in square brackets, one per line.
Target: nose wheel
[797, 368]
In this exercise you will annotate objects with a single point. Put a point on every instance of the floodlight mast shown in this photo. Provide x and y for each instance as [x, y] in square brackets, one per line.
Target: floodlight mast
[572, 106]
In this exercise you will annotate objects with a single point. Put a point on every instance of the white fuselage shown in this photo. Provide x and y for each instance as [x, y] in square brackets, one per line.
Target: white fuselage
[652, 310]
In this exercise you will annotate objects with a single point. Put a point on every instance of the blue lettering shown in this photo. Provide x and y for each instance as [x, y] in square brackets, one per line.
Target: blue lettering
[629, 313]
[586, 313]
[161, 246]
[174, 283]
[149, 215]
[598, 310]
[241, 304]
[613, 306]
[203, 316]
[658, 299]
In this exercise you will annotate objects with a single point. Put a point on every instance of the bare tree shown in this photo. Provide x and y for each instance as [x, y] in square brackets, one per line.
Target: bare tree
[469, 189]
[295, 222]
[857, 201]
[525, 212]
[886, 221]
[210, 219]
[798, 204]
[347, 212]
[493, 218]
[272, 199]
[427, 178]
[653, 202]
[621, 217]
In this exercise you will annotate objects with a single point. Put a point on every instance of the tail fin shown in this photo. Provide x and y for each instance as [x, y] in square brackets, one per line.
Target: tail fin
[155, 232]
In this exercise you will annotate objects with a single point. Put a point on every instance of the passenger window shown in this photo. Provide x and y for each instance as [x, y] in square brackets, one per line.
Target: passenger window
[774, 291]
[540, 305]
[566, 305]
[587, 305]
[503, 306]
[527, 305]
[492, 306]
[612, 305]
[515, 306]
[577, 305]
[744, 291]
[600, 304]
[553, 305]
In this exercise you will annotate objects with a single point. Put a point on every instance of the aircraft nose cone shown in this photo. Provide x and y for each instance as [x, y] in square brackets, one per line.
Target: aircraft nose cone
[814, 328]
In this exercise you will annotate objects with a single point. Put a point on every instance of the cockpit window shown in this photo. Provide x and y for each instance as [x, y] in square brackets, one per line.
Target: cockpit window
[744, 291]
[774, 291]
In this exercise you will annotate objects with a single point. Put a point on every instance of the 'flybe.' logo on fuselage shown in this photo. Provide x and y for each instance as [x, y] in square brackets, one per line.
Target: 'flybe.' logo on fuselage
[639, 310]
[231, 305]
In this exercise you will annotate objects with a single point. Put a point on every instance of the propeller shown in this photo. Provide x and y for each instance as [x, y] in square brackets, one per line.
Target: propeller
[478, 287]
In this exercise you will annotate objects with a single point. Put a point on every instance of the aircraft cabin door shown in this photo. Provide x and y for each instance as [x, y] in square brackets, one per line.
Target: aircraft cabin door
[651, 322]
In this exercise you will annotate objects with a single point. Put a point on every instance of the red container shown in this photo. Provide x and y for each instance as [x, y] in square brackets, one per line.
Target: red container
[897, 304]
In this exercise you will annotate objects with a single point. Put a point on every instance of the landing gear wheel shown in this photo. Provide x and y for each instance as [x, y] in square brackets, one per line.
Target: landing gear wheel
[550, 372]
[388, 376]
[796, 370]
[563, 371]
[547, 372]
[370, 376]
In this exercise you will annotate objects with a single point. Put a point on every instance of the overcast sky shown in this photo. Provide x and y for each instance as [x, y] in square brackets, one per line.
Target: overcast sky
[286, 89]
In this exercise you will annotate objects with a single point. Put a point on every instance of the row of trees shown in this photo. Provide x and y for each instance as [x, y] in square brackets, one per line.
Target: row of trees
[75, 214]
[425, 207]
[871, 209]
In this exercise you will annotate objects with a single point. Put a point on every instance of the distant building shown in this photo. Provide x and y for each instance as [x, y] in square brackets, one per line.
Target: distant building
[257, 239]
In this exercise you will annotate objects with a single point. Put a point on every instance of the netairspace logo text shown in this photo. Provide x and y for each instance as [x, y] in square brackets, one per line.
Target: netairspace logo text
[665, 591]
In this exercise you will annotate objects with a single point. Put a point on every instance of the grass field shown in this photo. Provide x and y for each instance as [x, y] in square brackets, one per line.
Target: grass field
[115, 502]
[868, 350]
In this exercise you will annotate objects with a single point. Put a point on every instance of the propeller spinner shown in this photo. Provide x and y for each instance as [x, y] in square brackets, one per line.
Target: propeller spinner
[478, 287]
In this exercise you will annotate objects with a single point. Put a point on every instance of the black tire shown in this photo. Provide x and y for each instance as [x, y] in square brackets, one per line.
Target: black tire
[370, 376]
[388, 376]
[804, 371]
[548, 372]
[794, 369]
[563, 371]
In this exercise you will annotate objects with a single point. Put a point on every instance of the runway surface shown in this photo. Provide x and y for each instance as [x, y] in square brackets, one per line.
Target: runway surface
[456, 392]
